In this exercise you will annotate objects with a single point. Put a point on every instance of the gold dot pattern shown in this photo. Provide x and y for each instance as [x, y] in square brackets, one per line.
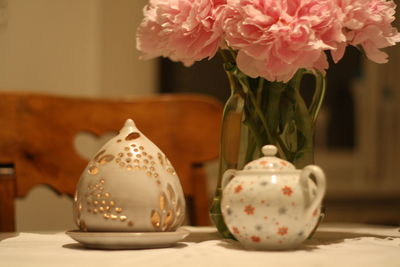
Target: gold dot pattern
[101, 203]
[135, 157]
[171, 193]
[132, 157]
[93, 170]
[155, 219]
[105, 159]
[169, 213]
[99, 159]
[96, 158]
[165, 163]
[178, 208]
[163, 201]
[161, 159]
[169, 219]
[77, 210]
[132, 136]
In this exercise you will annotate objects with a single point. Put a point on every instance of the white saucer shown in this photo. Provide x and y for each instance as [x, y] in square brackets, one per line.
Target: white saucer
[128, 240]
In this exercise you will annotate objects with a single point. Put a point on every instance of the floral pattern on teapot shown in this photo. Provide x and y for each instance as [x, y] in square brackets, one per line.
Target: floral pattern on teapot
[270, 205]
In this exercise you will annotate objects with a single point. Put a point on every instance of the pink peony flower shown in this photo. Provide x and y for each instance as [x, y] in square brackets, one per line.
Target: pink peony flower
[272, 38]
[276, 38]
[367, 23]
[183, 30]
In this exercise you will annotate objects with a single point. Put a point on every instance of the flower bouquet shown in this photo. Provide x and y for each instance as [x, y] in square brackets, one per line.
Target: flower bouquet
[267, 46]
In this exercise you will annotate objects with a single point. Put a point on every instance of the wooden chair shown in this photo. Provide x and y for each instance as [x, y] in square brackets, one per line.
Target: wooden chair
[37, 134]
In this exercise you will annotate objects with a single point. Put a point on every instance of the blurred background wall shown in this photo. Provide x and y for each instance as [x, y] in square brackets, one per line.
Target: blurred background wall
[73, 47]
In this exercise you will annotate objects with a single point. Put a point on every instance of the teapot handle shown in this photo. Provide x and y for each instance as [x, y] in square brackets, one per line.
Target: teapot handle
[321, 186]
[227, 177]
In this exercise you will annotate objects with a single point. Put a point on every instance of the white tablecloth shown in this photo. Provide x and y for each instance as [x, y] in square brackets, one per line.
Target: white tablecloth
[333, 245]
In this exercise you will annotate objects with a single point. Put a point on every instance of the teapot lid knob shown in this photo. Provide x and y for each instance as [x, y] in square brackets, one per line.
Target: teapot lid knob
[269, 150]
[269, 162]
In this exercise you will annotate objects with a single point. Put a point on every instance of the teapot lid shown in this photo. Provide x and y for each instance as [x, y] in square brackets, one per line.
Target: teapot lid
[269, 162]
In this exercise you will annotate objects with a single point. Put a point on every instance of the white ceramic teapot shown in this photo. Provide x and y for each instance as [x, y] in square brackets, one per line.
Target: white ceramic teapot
[270, 204]
[129, 185]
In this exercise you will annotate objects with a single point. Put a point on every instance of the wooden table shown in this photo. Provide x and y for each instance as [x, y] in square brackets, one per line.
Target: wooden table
[333, 245]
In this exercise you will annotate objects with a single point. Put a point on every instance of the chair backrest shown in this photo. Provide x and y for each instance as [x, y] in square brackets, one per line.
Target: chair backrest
[37, 135]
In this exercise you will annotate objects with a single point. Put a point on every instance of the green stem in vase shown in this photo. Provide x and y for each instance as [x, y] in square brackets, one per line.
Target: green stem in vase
[260, 89]
[305, 136]
[260, 116]
[272, 115]
[319, 96]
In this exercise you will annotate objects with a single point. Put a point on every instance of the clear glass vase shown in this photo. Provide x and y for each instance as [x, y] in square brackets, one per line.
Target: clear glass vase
[260, 112]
